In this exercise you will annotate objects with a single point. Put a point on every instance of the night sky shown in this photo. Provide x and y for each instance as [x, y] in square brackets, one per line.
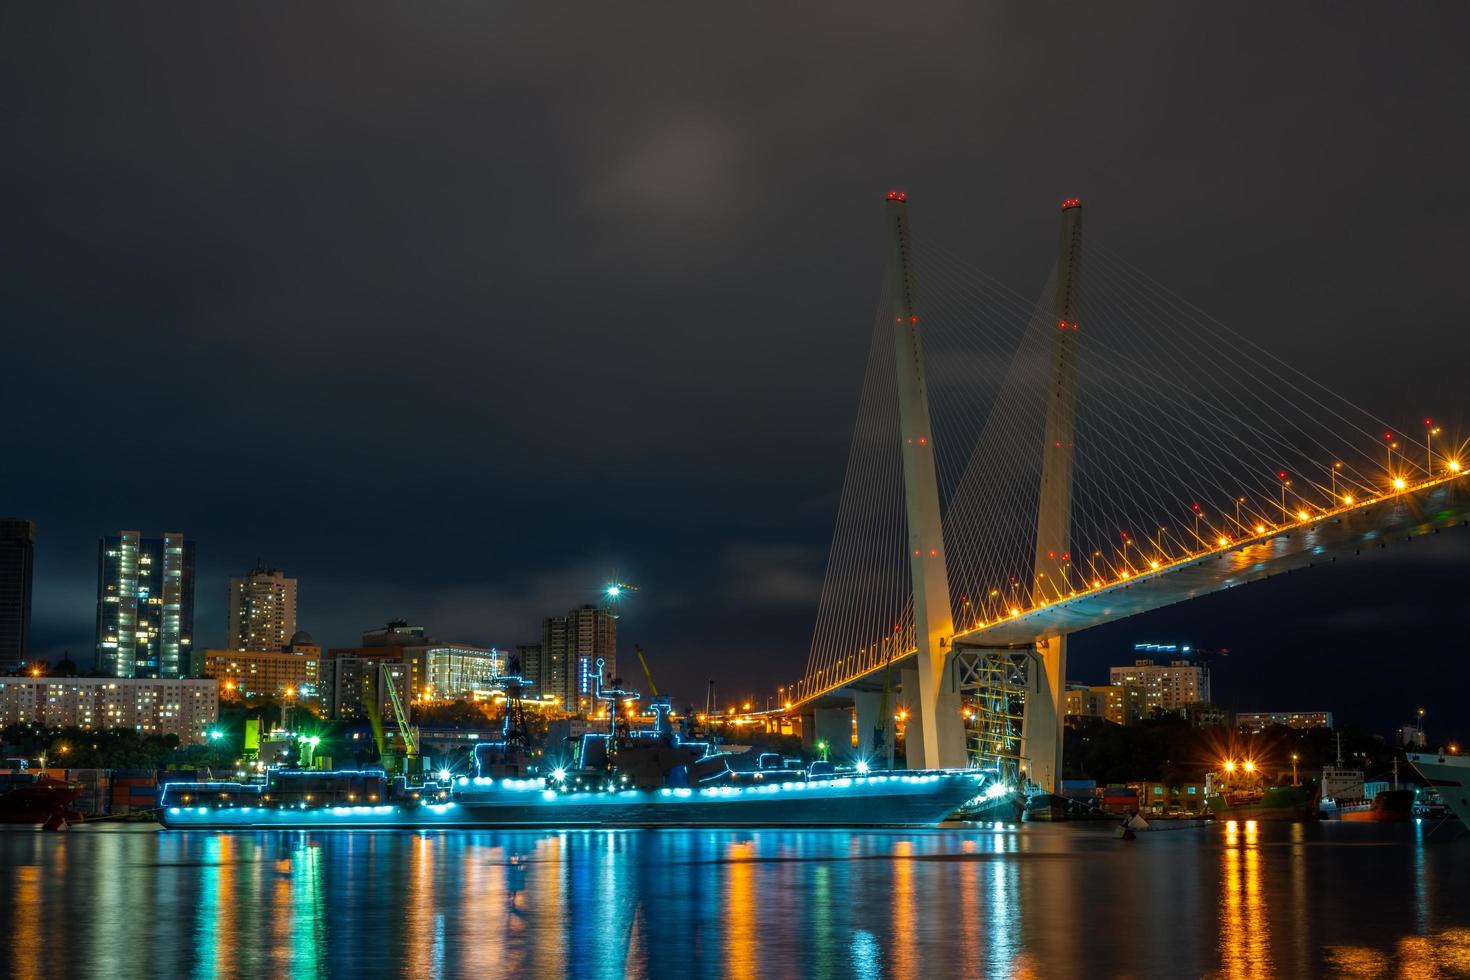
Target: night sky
[456, 312]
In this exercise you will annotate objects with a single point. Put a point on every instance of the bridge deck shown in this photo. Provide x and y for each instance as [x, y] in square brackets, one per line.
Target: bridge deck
[1423, 509]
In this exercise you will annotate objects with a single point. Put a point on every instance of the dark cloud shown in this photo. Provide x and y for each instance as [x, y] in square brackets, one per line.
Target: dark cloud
[447, 310]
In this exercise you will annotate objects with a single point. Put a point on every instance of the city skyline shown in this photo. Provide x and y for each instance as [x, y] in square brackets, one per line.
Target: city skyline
[1101, 648]
[645, 357]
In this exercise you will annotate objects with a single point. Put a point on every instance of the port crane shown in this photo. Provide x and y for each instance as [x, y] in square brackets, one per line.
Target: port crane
[373, 708]
[652, 687]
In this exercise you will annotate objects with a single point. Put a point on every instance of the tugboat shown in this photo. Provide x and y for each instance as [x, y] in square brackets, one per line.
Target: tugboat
[624, 778]
[1239, 792]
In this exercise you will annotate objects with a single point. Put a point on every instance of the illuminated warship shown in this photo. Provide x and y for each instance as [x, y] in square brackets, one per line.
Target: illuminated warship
[624, 778]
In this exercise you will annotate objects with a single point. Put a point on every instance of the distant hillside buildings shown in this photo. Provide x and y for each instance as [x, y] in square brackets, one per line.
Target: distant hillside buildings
[292, 672]
[1121, 704]
[1255, 722]
[154, 706]
[418, 667]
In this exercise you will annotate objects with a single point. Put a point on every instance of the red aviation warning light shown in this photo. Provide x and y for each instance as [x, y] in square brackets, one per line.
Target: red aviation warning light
[1071, 202]
[899, 196]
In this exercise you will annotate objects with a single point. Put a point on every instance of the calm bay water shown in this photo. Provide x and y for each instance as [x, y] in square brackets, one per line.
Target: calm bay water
[1044, 901]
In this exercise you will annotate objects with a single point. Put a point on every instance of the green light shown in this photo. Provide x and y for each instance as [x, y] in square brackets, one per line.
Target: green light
[215, 734]
[613, 591]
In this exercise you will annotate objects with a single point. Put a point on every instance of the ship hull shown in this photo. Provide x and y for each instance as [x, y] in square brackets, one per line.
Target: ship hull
[41, 802]
[875, 801]
[1389, 806]
[1286, 803]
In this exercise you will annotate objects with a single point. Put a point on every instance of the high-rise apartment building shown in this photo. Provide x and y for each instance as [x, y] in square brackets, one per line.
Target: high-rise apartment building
[592, 634]
[551, 675]
[17, 561]
[262, 608]
[527, 663]
[145, 606]
[1166, 687]
[570, 648]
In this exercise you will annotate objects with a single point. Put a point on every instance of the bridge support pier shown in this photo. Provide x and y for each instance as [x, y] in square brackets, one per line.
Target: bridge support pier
[834, 726]
[1041, 730]
[941, 708]
[865, 708]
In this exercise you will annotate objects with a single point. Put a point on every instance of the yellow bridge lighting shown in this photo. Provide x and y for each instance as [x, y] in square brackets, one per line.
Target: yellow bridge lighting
[1399, 483]
[1454, 466]
[1250, 766]
[1302, 515]
[1260, 529]
[1153, 564]
[1229, 765]
[1222, 542]
[1347, 498]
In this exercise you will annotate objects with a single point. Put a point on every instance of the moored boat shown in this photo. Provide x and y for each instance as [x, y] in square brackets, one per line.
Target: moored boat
[878, 799]
[39, 799]
[1239, 792]
[1449, 776]
[1388, 806]
[623, 778]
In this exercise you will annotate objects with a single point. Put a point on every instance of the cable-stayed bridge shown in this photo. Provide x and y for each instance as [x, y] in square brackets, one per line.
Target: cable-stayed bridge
[1024, 468]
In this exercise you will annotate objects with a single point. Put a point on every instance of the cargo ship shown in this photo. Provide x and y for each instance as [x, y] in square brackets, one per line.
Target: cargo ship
[38, 799]
[1239, 792]
[1387, 806]
[623, 778]
[1449, 776]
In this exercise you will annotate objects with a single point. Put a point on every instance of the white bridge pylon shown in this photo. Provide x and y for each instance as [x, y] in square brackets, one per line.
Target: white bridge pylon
[936, 712]
[935, 706]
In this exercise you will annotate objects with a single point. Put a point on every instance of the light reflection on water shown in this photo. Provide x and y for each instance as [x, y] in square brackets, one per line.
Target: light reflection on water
[1047, 901]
